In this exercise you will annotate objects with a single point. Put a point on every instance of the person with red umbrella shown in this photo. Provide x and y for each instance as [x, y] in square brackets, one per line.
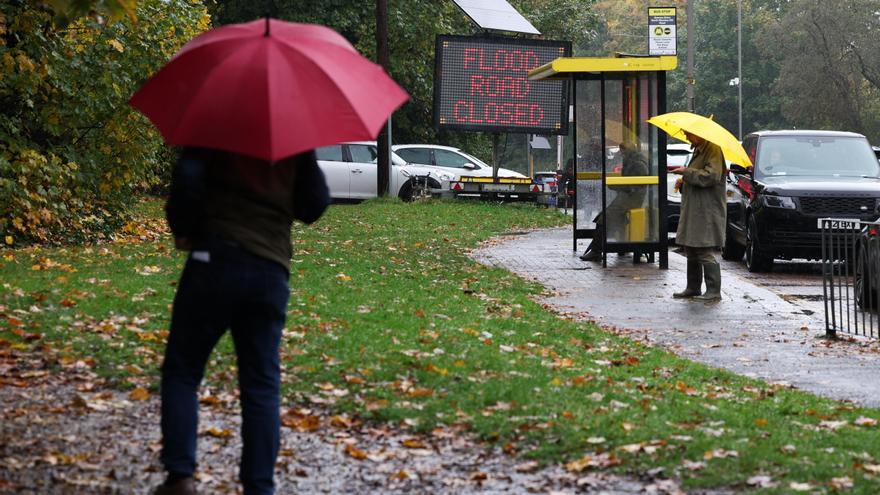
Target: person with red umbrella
[249, 102]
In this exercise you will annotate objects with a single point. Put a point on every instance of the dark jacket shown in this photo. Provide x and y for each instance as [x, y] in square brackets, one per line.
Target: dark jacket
[244, 200]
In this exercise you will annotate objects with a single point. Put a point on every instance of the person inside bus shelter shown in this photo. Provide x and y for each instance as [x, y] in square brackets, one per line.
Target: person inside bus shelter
[625, 199]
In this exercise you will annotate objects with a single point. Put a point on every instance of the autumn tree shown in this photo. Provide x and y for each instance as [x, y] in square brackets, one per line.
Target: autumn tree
[829, 69]
[71, 149]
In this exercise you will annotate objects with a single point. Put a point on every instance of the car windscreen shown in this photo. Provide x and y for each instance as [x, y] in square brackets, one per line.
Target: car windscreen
[475, 160]
[421, 156]
[828, 156]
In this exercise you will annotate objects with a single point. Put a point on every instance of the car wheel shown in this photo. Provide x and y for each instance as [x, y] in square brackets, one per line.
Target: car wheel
[413, 190]
[731, 250]
[406, 192]
[866, 293]
[755, 260]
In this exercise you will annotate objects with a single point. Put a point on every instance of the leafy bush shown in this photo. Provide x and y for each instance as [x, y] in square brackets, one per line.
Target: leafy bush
[72, 151]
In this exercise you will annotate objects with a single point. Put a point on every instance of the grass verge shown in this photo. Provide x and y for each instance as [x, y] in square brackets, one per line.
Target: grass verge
[390, 320]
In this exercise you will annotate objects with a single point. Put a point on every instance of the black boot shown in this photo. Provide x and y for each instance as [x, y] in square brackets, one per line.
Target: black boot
[712, 272]
[591, 254]
[694, 281]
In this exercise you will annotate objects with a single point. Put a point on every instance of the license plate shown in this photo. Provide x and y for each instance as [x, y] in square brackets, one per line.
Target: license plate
[840, 223]
[498, 187]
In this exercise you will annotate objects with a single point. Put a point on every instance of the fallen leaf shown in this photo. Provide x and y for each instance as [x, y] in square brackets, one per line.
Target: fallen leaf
[413, 443]
[218, 433]
[684, 388]
[355, 453]
[761, 481]
[693, 465]
[863, 421]
[139, 393]
[719, 454]
[633, 448]
[354, 380]
[579, 465]
[527, 467]
[843, 483]
[300, 422]
[420, 392]
[833, 425]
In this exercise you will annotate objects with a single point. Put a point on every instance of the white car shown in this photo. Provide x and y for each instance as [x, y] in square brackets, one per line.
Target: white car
[350, 170]
[677, 155]
[449, 160]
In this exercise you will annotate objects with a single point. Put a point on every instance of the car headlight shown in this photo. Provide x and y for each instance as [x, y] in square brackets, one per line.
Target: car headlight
[780, 202]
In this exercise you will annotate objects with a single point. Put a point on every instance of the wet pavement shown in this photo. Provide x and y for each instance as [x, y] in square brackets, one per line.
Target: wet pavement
[768, 326]
[58, 438]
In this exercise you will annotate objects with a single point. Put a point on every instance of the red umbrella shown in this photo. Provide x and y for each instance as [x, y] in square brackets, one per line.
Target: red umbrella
[269, 89]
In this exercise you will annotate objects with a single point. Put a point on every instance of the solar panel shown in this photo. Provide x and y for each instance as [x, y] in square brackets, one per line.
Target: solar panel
[496, 14]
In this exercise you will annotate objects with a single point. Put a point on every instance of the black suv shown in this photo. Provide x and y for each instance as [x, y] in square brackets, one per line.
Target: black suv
[798, 178]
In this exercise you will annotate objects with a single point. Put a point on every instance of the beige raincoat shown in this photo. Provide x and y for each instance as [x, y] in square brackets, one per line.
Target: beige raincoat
[703, 199]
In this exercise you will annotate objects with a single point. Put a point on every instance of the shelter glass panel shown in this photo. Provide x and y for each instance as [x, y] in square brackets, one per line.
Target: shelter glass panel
[631, 185]
[588, 101]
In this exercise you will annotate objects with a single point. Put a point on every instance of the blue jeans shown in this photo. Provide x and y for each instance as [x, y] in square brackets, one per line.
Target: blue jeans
[247, 294]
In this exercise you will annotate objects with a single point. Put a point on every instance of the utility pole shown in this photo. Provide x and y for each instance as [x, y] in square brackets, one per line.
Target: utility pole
[690, 57]
[739, 59]
[383, 143]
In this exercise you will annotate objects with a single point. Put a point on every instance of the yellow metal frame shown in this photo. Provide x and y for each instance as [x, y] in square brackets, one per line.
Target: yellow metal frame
[641, 180]
[501, 180]
[615, 179]
[563, 67]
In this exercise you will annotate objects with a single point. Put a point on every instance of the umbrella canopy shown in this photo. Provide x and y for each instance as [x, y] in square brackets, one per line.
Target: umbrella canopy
[676, 123]
[269, 89]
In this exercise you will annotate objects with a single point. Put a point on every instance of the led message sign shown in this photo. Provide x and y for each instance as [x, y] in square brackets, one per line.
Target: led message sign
[482, 84]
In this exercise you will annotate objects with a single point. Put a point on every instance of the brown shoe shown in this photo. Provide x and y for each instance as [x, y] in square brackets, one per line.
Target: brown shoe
[184, 486]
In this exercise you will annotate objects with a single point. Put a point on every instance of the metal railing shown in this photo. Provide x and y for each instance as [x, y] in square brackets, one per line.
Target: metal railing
[851, 276]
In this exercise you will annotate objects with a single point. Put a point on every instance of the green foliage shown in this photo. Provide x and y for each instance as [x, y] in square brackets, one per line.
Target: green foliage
[827, 54]
[67, 11]
[71, 149]
[716, 62]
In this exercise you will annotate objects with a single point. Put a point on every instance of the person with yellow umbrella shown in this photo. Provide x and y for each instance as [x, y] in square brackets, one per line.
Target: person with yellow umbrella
[702, 225]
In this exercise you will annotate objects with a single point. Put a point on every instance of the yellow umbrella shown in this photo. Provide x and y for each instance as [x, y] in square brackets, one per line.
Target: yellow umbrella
[676, 123]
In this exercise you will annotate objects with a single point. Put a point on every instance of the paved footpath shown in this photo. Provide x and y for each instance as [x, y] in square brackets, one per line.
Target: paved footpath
[753, 331]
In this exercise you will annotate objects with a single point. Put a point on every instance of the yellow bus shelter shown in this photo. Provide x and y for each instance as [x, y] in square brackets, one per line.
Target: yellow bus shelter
[617, 164]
